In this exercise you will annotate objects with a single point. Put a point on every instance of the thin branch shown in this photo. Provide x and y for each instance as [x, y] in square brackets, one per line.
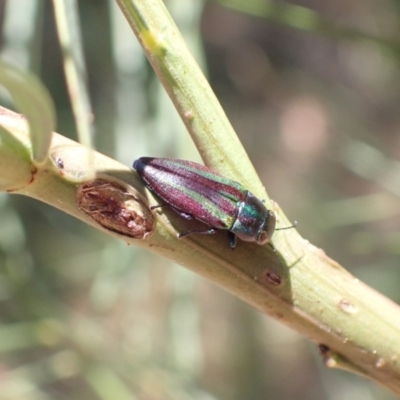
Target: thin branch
[357, 328]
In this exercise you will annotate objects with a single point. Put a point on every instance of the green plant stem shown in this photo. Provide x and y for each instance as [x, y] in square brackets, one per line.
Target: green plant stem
[298, 285]
[190, 92]
[67, 19]
[313, 294]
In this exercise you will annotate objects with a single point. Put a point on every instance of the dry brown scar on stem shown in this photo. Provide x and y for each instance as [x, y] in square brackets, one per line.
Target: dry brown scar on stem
[113, 207]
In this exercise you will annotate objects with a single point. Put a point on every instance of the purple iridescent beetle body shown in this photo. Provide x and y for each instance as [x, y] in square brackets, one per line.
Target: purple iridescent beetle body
[198, 192]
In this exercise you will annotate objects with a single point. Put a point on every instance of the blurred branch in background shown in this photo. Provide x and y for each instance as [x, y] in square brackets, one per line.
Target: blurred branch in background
[305, 19]
[68, 28]
[126, 315]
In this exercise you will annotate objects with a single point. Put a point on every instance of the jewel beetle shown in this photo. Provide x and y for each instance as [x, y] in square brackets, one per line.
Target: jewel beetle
[195, 191]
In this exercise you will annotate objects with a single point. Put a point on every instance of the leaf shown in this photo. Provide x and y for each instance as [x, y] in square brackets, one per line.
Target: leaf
[34, 101]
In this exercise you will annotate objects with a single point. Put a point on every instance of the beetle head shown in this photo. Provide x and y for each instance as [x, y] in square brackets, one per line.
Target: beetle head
[267, 229]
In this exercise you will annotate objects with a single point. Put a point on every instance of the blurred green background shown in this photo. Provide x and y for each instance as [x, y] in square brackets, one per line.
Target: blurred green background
[313, 91]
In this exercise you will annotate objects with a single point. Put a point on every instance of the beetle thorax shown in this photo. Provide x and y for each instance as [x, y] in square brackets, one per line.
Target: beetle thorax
[254, 222]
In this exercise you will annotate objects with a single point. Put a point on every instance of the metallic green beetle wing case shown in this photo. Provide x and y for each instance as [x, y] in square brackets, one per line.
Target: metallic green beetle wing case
[195, 191]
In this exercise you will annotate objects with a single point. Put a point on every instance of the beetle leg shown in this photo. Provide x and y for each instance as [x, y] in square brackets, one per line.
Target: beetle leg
[159, 206]
[232, 238]
[210, 231]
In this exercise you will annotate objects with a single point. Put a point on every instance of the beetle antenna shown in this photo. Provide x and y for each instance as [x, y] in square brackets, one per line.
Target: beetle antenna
[287, 227]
